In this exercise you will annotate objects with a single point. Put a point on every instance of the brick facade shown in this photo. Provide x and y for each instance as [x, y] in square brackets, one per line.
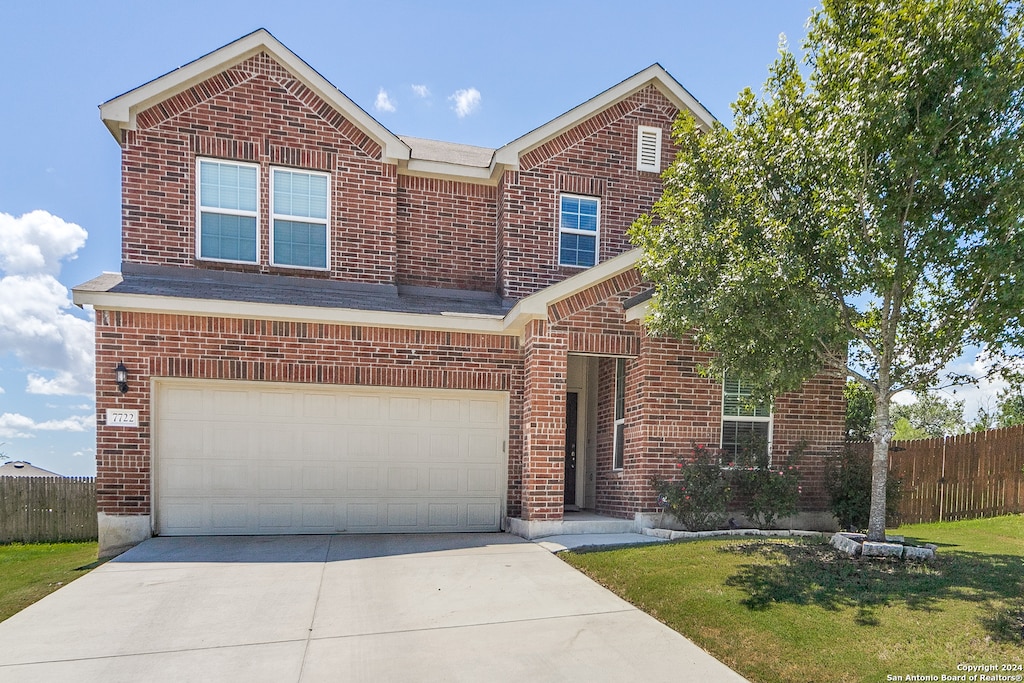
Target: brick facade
[391, 227]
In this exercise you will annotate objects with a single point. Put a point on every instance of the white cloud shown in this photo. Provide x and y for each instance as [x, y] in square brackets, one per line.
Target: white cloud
[421, 91]
[383, 101]
[15, 426]
[466, 102]
[2, 391]
[63, 384]
[37, 242]
[18, 426]
[36, 320]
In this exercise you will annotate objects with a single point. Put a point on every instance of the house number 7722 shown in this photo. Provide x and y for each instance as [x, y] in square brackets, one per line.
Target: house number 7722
[118, 417]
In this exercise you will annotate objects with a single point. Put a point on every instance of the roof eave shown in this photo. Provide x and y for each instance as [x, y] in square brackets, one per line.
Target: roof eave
[120, 113]
[655, 74]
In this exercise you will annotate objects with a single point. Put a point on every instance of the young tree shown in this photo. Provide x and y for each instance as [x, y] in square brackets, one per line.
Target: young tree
[928, 417]
[868, 222]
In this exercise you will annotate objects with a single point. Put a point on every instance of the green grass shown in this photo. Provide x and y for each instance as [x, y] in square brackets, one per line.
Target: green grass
[778, 610]
[29, 572]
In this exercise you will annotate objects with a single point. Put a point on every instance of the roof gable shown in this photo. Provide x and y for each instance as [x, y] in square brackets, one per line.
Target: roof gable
[121, 112]
[653, 75]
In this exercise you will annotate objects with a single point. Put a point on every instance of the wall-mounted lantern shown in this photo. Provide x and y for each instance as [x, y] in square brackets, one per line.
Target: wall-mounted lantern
[121, 375]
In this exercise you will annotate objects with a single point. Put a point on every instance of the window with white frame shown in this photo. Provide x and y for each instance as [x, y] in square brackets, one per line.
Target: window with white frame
[578, 228]
[299, 207]
[648, 149]
[620, 413]
[227, 211]
[744, 422]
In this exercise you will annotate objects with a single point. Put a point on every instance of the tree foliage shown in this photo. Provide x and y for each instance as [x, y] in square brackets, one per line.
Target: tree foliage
[865, 222]
[929, 416]
[860, 411]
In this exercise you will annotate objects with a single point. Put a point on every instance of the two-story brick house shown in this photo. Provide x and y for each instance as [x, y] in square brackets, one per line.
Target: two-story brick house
[326, 327]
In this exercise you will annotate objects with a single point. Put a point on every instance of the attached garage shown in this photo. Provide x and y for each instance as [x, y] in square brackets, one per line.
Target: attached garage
[269, 458]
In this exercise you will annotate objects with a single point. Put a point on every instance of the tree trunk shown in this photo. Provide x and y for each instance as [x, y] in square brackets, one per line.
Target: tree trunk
[880, 437]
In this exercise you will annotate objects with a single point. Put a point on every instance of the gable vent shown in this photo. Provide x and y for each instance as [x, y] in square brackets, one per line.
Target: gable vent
[648, 149]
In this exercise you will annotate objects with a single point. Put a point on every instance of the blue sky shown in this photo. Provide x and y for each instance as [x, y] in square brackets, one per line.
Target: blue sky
[480, 73]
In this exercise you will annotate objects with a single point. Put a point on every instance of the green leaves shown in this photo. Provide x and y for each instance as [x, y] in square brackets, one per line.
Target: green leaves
[869, 220]
[878, 205]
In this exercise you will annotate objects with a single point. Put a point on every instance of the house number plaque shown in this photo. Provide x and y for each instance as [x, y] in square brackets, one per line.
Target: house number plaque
[117, 417]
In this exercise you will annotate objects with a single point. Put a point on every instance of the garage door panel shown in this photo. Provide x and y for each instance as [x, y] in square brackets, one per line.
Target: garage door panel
[278, 458]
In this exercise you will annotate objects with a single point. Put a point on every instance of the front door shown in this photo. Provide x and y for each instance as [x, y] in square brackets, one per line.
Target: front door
[571, 404]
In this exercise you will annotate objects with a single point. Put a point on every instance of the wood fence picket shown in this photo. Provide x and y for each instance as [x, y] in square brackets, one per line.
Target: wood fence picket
[47, 509]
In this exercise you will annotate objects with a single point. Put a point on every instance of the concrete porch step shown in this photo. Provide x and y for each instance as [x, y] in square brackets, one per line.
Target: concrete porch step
[572, 524]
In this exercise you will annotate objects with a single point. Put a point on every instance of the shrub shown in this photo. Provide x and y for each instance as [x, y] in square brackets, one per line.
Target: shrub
[768, 493]
[848, 481]
[699, 495]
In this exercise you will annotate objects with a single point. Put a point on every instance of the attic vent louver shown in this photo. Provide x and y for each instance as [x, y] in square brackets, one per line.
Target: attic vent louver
[648, 149]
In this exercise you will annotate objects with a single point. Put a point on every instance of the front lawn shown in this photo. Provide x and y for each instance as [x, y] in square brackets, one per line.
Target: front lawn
[779, 610]
[29, 572]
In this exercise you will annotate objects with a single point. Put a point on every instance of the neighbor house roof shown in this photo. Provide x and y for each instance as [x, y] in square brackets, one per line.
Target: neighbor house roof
[20, 468]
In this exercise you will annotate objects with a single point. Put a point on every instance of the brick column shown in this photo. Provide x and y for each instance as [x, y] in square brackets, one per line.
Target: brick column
[546, 362]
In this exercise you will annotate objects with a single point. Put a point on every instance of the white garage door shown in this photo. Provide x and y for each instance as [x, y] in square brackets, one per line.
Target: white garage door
[268, 458]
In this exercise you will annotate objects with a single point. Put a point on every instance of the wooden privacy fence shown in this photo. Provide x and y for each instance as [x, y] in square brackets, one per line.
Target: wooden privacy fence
[959, 477]
[47, 509]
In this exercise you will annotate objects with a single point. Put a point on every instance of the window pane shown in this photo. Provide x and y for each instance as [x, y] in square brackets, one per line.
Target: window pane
[620, 388]
[739, 434]
[300, 244]
[300, 194]
[232, 238]
[227, 186]
[620, 444]
[570, 205]
[736, 400]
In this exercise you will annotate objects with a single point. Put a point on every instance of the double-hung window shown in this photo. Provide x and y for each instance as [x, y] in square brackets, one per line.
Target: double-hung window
[298, 213]
[744, 423]
[578, 230]
[227, 207]
[620, 414]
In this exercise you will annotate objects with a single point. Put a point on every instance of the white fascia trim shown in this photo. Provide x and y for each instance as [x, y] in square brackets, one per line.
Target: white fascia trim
[145, 303]
[120, 113]
[536, 305]
[638, 312]
[510, 153]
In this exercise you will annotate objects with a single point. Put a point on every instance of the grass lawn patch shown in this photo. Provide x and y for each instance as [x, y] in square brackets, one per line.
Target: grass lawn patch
[30, 571]
[796, 610]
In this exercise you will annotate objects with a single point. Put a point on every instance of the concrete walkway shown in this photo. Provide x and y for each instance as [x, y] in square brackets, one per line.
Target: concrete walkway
[456, 607]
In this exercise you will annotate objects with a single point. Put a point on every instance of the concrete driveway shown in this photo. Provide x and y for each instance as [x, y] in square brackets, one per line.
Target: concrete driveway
[452, 607]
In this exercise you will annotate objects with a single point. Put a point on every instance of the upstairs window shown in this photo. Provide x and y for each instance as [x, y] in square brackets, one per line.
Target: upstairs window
[744, 423]
[227, 196]
[578, 230]
[648, 149]
[299, 210]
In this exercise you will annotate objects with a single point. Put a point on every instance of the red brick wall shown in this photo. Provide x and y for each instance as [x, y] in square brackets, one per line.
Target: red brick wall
[446, 234]
[543, 419]
[157, 345]
[596, 158]
[255, 112]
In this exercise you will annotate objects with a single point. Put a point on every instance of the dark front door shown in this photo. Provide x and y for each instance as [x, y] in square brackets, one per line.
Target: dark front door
[571, 403]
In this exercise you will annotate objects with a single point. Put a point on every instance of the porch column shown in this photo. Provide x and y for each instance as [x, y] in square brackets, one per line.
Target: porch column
[546, 364]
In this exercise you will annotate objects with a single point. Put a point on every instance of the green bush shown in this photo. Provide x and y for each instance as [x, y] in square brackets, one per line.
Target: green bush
[699, 495]
[768, 493]
[848, 481]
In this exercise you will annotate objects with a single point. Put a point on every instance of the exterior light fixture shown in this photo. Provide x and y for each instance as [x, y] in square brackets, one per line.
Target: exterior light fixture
[121, 375]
